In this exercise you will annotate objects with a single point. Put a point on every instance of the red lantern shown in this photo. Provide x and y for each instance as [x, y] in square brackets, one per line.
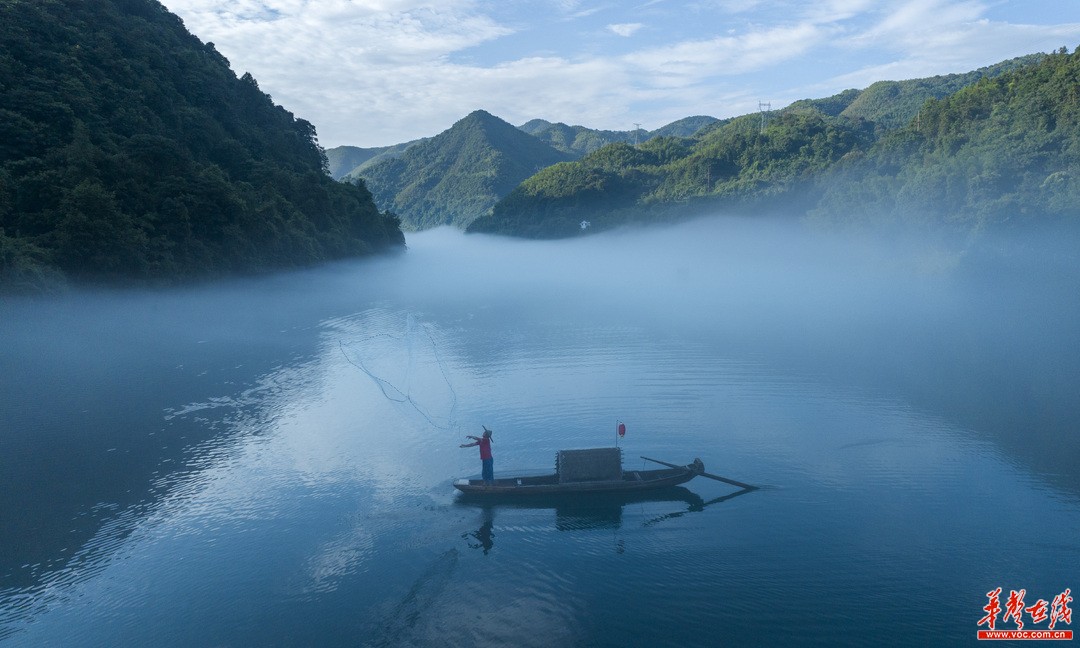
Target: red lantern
[622, 429]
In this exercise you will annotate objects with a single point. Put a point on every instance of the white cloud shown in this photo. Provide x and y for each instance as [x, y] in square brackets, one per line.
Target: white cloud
[913, 21]
[330, 59]
[731, 6]
[625, 29]
[837, 10]
[376, 72]
[695, 60]
[524, 89]
[928, 37]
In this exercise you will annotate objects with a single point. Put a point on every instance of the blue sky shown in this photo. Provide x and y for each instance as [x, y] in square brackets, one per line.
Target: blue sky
[380, 72]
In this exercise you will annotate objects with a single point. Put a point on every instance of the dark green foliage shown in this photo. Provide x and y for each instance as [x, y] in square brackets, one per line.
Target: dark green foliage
[129, 149]
[558, 198]
[736, 163]
[741, 156]
[1005, 150]
[998, 145]
[575, 141]
[458, 175]
[894, 104]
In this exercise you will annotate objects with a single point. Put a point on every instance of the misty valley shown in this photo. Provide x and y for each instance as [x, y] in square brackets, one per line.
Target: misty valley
[241, 373]
[270, 460]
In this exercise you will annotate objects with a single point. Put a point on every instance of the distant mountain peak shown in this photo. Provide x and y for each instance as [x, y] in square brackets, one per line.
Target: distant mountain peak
[535, 125]
[479, 113]
[489, 123]
[458, 175]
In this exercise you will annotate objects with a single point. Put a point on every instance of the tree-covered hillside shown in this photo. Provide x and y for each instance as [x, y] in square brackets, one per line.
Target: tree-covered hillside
[738, 163]
[1003, 147]
[346, 162]
[893, 104]
[685, 127]
[456, 176]
[1003, 151]
[578, 141]
[575, 141]
[340, 160]
[129, 149]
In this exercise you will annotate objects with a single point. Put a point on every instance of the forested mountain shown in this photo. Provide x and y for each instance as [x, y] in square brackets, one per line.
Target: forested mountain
[342, 159]
[735, 164]
[346, 162]
[1006, 146]
[129, 149]
[579, 140]
[893, 104]
[456, 176]
[1002, 152]
[575, 141]
[685, 127]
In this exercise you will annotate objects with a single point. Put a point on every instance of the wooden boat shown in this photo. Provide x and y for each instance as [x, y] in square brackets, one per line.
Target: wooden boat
[593, 470]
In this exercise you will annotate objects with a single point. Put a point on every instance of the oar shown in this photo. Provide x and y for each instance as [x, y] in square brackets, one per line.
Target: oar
[700, 507]
[705, 474]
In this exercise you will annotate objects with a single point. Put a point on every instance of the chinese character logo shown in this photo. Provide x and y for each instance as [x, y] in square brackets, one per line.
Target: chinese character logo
[1055, 611]
[1060, 611]
[992, 609]
[1014, 609]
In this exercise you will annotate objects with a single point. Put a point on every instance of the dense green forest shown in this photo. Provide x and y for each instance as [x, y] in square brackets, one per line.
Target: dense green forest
[893, 104]
[1004, 151]
[130, 150]
[738, 163]
[989, 147]
[458, 175]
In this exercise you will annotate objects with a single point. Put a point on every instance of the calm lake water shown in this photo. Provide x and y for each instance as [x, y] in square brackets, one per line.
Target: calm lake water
[269, 462]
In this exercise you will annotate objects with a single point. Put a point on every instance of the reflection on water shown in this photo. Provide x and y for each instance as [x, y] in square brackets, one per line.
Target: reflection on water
[586, 512]
[596, 511]
[275, 467]
[485, 535]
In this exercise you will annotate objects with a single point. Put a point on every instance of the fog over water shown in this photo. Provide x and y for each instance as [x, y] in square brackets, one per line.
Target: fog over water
[268, 461]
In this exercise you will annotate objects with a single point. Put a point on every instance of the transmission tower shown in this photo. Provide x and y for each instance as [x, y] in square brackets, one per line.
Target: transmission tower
[637, 129]
[763, 108]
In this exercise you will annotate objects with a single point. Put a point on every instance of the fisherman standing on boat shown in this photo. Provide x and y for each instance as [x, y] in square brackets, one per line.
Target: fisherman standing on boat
[485, 455]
